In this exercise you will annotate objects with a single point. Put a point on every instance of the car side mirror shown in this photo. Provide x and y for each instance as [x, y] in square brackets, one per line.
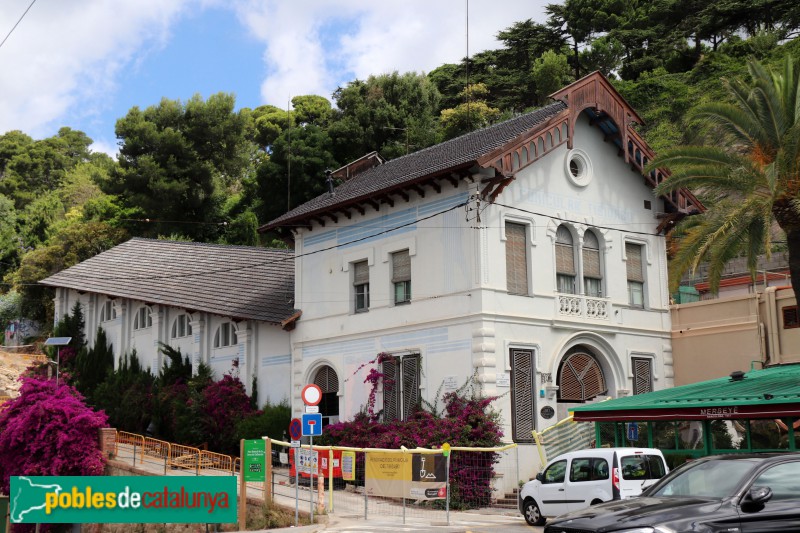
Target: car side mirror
[540, 477]
[755, 499]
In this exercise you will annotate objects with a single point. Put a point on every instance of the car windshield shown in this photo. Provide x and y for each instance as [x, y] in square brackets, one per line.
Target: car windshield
[705, 479]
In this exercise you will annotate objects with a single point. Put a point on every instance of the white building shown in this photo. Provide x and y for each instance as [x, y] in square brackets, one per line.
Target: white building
[530, 253]
[217, 304]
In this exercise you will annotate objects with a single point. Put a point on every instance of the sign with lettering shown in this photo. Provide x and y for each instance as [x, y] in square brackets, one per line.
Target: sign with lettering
[254, 461]
[406, 475]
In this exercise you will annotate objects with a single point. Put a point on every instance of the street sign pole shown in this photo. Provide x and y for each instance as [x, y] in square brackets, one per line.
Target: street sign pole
[311, 479]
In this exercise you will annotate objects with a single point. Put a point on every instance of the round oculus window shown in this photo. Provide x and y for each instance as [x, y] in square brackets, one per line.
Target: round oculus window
[578, 167]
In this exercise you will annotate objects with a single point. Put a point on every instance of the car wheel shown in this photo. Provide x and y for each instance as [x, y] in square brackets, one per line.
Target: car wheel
[532, 514]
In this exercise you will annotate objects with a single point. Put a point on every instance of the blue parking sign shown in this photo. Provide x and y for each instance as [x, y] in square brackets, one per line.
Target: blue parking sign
[633, 431]
[312, 424]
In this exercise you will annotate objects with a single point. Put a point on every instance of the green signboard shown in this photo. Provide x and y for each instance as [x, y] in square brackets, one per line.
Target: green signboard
[254, 464]
[122, 499]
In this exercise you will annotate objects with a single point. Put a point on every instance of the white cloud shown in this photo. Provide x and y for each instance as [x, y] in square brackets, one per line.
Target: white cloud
[63, 57]
[373, 38]
[63, 62]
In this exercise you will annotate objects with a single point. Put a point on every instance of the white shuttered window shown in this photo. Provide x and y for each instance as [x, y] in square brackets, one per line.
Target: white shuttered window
[516, 259]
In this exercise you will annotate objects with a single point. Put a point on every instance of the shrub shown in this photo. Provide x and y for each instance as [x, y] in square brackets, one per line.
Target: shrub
[467, 420]
[225, 403]
[49, 431]
[271, 421]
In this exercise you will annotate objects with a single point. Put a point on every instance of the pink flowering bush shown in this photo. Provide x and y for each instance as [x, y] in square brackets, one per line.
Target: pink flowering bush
[225, 403]
[49, 431]
[467, 420]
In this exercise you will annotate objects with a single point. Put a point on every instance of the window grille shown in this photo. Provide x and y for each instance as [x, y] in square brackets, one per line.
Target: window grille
[523, 390]
[580, 378]
[642, 375]
[516, 258]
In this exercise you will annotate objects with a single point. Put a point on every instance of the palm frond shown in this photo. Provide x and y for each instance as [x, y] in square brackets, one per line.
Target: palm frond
[742, 123]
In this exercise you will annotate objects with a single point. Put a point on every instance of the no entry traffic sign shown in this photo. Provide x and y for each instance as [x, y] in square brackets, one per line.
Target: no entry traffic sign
[311, 394]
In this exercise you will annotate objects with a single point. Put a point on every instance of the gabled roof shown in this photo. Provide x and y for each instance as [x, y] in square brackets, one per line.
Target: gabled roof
[240, 282]
[769, 393]
[506, 147]
[461, 152]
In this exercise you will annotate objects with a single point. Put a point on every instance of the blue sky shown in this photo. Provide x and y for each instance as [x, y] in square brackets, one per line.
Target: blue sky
[84, 64]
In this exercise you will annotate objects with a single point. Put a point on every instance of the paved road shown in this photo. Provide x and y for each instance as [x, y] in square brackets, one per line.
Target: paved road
[463, 523]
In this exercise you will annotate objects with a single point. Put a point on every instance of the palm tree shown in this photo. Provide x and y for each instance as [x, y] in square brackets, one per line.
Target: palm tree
[749, 181]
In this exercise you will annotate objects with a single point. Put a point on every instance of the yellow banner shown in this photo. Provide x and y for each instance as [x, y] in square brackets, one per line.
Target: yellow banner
[349, 466]
[406, 475]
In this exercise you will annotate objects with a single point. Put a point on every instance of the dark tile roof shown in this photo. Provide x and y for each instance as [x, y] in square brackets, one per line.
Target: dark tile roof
[235, 281]
[408, 169]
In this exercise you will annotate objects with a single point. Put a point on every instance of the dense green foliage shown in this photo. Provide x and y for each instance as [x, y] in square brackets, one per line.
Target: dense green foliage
[203, 170]
[750, 170]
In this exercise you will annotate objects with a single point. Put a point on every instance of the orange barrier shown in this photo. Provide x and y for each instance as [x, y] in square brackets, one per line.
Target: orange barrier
[177, 455]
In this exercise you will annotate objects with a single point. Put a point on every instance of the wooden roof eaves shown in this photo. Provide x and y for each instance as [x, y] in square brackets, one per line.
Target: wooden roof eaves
[595, 77]
[369, 198]
[522, 139]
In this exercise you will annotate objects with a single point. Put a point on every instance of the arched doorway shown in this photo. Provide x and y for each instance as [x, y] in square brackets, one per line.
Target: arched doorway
[327, 380]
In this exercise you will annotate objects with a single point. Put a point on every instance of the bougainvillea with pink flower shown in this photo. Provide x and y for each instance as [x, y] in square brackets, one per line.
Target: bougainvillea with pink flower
[49, 431]
[467, 419]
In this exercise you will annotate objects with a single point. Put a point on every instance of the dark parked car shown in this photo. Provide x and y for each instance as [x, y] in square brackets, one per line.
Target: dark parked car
[720, 493]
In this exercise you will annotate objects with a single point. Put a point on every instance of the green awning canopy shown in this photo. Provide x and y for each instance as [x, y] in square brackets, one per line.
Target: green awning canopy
[769, 393]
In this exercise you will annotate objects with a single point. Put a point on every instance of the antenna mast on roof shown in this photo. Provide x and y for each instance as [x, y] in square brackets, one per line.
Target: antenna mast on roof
[288, 158]
[466, 88]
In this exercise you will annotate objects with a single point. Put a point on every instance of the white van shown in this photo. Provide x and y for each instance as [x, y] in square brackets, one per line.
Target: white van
[576, 480]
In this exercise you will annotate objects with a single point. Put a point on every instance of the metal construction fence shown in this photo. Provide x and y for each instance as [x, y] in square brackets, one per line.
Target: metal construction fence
[478, 478]
[565, 436]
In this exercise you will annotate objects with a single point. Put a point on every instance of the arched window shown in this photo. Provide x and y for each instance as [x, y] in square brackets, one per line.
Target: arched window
[225, 335]
[592, 276]
[143, 318]
[181, 326]
[580, 378]
[565, 261]
[108, 311]
[327, 380]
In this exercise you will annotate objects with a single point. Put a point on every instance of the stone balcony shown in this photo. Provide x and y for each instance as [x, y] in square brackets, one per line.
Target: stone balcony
[578, 306]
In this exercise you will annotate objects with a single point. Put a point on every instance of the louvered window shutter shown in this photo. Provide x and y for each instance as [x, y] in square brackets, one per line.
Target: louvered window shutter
[410, 384]
[642, 375]
[634, 254]
[401, 266]
[360, 273]
[327, 379]
[565, 255]
[391, 390]
[591, 256]
[516, 259]
[522, 395]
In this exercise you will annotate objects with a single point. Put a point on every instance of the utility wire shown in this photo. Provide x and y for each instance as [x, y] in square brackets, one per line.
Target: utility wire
[261, 263]
[577, 221]
[17, 24]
